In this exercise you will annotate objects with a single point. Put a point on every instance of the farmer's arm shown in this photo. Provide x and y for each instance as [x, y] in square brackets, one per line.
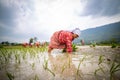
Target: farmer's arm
[68, 45]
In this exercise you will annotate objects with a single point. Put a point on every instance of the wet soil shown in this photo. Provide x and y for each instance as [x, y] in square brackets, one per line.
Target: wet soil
[85, 64]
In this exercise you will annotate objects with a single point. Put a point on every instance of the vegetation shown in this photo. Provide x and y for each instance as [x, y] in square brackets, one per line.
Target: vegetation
[10, 76]
[93, 44]
[81, 60]
[17, 55]
[101, 59]
[74, 48]
[1, 46]
[113, 45]
[101, 34]
[45, 66]
[114, 68]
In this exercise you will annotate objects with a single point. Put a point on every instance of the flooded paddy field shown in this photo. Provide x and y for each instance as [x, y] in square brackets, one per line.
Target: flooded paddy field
[97, 63]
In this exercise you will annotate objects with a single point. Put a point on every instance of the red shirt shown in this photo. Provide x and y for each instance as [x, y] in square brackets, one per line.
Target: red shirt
[65, 37]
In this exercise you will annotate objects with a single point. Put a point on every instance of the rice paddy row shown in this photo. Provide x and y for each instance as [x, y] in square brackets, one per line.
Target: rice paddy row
[16, 62]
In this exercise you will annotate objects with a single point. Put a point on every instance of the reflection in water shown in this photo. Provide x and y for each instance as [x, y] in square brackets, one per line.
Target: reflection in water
[95, 64]
[62, 65]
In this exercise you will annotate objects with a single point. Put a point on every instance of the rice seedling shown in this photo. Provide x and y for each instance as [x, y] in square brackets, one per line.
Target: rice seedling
[1, 46]
[96, 71]
[80, 64]
[24, 56]
[1, 62]
[33, 66]
[99, 69]
[4, 55]
[74, 48]
[45, 66]
[43, 49]
[100, 66]
[63, 68]
[36, 77]
[51, 72]
[114, 68]
[23, 53]
[10, 76]
[101, 59]
[34, 52]
[93, 44]
[31, 53]
[69, 60]
[113, 45]
[17, 58]
[16, 55]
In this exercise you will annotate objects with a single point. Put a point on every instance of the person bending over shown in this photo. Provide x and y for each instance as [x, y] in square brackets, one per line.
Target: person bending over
[63, 40]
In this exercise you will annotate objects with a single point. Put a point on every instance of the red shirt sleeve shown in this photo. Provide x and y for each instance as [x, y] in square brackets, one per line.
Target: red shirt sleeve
[68, 44]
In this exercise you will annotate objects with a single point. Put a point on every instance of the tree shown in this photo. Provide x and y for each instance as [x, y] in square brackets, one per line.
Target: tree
[5, 43]
[31, 40]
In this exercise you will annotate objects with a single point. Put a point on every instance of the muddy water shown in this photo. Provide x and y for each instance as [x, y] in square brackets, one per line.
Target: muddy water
[85, 64]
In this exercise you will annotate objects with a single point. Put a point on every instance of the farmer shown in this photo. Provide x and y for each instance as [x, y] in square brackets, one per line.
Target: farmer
[63, 40]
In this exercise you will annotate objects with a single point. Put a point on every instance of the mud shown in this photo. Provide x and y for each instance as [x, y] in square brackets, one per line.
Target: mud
[85, 64]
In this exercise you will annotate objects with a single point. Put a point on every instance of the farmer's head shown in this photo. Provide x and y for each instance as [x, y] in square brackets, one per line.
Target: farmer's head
[76, 32]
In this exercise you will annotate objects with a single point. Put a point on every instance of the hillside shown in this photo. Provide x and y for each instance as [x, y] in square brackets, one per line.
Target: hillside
[101, 33]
